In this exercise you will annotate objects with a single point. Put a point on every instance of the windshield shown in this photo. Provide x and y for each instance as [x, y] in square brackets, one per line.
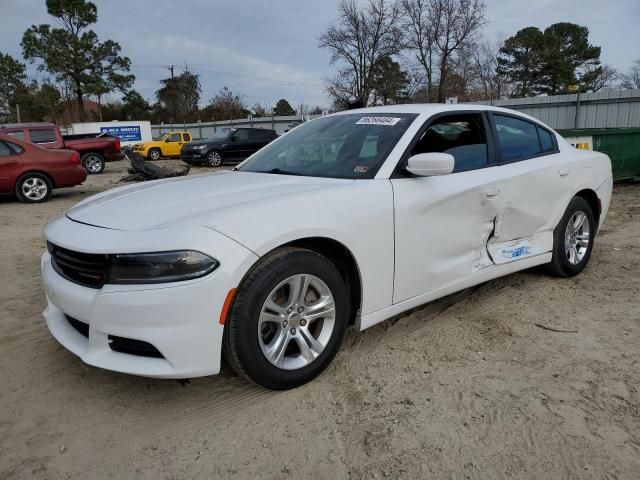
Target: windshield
[342, 146]
[220, 134]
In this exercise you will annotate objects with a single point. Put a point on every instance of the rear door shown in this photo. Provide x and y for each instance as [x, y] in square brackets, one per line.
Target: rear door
[533, 185]
[10, 165]
[443, 223]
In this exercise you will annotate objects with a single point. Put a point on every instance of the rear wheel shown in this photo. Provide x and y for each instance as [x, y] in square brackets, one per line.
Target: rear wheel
[154, 154]
[214, 158]
[93, 163]
[33, 188]
[288, 319]
[573, 239]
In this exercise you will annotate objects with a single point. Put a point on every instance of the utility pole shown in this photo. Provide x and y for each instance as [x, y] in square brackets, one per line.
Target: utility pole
[170, 68]
[18, 112]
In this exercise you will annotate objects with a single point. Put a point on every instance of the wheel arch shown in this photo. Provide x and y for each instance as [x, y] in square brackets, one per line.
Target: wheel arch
[41, 172]
[341, 256]
[594, 202]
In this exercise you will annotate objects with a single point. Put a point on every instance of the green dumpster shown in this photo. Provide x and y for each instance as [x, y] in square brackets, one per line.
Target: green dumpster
[621, 144]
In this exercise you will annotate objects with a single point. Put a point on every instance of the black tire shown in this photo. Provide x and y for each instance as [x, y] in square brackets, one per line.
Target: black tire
[560, 264]
[93, 163]
[214, 158]
[25, 191]
[241, 345]
[154, 154]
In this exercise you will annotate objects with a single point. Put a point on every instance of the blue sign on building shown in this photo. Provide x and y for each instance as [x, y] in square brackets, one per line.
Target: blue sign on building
[124, 133]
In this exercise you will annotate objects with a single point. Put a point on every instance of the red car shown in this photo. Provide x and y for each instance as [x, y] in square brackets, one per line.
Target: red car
[32, 172]
[94, 150]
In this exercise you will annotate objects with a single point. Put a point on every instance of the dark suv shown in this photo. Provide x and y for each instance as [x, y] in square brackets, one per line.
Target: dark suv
[228, 144]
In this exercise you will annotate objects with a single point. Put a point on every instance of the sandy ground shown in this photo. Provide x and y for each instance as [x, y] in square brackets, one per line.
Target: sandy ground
[467, 387]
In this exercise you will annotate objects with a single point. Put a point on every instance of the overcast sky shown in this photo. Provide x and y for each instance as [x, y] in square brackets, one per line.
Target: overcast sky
[267, 49]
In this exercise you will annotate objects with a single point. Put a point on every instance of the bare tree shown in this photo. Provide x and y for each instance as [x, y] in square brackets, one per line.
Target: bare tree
[631, 79]
[457, 23]
[360, 38]
[491, 83]
[606, 78]
[420, 28]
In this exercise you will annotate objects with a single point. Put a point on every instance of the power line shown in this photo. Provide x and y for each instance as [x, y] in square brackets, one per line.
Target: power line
[289, 83]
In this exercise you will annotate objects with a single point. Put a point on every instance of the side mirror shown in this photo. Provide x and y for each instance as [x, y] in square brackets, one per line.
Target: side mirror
[431, 164]
[167, 140]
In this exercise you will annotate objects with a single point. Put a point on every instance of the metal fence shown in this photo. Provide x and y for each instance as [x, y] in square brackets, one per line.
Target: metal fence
[607, 109]
[201, 130]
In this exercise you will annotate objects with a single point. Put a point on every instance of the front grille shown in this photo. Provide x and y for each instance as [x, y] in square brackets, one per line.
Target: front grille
[87, 269]
[80, 327]
[133, 347]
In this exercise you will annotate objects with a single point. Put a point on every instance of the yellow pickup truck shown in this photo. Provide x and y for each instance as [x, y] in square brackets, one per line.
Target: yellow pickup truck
[168, 146]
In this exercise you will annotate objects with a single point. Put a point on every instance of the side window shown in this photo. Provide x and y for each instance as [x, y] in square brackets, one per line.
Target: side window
[518, 139]
[174, 137]
[186, 137]
[19, 134]
[546, 141]
[17, 149]
[462, 136]
[5, 151]
[241, 135]
[42, 135]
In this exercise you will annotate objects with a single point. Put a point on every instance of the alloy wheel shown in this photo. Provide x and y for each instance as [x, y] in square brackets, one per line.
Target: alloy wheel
[93, 164]
[34, 189]
[296, 321]
[576, 238]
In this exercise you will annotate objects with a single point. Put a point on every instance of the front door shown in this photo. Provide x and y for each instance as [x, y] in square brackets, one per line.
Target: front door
[443, 223]
[172, 145]
[238, 147]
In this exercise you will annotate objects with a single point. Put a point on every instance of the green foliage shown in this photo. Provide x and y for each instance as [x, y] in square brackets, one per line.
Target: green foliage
[135, 107]
[74, 55]
[283, 108]
[389, 82]
[12, 78]
[178, 97]
[556, 61]
[39, 102]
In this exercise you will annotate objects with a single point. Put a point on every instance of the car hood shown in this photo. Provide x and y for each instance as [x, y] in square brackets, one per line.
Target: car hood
[211, 200]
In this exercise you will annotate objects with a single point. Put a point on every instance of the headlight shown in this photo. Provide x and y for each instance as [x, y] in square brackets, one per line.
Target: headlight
[200, 147]
[160, 267]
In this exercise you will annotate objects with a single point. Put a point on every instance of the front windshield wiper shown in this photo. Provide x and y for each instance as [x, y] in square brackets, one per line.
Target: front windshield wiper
[279, 171]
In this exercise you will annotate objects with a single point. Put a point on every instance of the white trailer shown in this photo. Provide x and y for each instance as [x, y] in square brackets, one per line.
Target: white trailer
[128, 132]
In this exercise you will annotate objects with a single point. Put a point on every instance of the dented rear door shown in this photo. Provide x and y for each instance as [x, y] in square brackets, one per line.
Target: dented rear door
[532, 183]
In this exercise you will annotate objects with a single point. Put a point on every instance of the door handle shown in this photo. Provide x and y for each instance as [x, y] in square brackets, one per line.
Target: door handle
[492, 192]
[564, 172]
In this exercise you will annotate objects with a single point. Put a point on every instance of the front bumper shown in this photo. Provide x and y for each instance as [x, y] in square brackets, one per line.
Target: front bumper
[192, 156]
[180, 320]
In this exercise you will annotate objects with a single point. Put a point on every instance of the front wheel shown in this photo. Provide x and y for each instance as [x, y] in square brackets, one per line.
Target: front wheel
[288, 319]
[154, 154]
[573, 239]
[214, 159]
[93, 163]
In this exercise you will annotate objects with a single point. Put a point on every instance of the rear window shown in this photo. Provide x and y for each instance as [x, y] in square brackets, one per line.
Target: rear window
[546, 141]
[187, 137]
[5, 151]
[19, 134]
[42, 135]
[518, 138]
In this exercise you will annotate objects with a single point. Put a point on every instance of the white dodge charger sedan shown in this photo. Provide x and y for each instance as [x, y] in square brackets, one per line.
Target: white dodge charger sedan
[348, 219]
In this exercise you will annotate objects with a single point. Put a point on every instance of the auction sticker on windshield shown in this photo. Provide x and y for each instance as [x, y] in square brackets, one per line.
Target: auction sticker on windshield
[378, 121]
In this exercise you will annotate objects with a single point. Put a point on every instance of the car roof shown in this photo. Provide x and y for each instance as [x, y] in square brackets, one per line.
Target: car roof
[26, 125]
[435, 108]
